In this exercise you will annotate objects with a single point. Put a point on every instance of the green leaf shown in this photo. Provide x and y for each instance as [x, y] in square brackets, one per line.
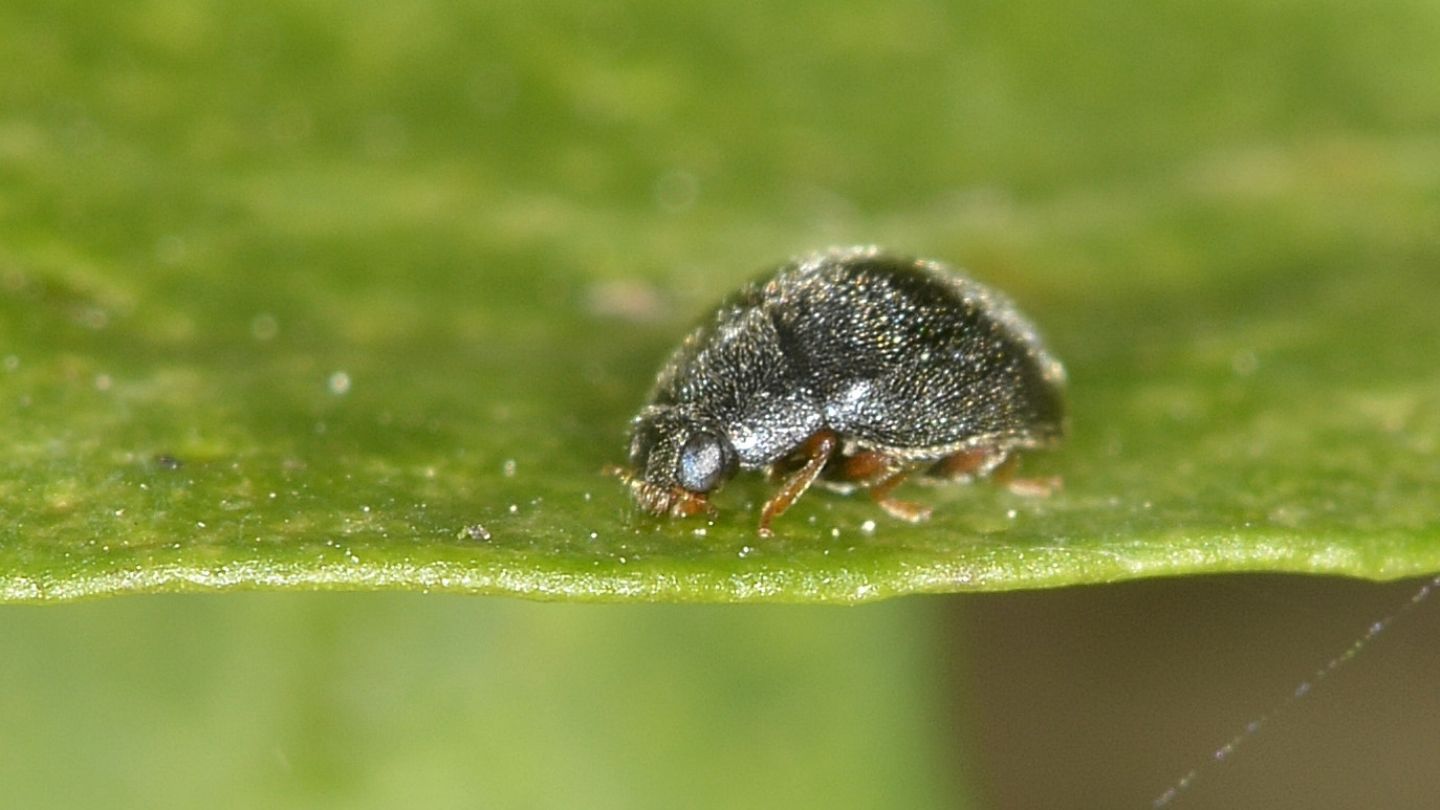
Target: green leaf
[364, 299]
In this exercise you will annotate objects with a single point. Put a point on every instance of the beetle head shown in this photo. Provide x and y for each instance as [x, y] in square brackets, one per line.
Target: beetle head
[676, 461]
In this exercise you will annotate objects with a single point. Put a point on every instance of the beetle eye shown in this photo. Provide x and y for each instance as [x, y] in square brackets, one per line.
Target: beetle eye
[703, 463]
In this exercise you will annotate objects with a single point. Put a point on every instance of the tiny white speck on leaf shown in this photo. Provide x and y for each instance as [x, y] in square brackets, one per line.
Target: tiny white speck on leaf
[475, 531]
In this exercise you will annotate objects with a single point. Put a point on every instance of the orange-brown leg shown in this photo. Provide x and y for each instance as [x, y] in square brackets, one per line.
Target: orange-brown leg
[817, 450]
[880, 474]
[976, 461]
[864, 467]
[901, 510]
[1004, 475]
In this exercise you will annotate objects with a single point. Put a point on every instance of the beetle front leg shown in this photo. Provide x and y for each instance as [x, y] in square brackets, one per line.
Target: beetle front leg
[817, 450]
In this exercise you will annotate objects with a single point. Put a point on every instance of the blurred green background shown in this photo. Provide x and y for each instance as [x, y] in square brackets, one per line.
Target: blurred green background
[247, 158]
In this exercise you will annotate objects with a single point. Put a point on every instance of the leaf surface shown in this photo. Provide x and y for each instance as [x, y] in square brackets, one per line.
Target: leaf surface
[371, 321]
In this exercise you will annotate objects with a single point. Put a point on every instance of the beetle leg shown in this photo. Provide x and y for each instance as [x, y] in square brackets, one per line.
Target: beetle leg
[908, 511]
[1004, 475]
[976, 462]
[866, 467]
[817, 449]
[880, 474]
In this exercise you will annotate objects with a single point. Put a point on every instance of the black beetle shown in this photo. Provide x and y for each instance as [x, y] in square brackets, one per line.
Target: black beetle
[853, 367]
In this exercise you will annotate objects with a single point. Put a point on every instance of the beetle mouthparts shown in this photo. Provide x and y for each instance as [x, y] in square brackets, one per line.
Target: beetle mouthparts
[659, 500]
